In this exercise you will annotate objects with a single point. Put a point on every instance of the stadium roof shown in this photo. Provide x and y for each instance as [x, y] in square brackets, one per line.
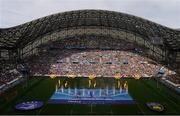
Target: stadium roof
[28, 32]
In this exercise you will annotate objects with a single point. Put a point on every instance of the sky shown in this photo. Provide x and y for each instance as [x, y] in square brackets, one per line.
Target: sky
[16, 12]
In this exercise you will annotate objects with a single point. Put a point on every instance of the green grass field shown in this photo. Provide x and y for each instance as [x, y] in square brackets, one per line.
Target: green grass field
[42, 88]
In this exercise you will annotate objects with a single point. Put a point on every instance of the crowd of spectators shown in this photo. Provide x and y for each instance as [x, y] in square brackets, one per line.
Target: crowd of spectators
[85, 56]
[102, 63]
[174, 78]
[8, 73]
[105, 64]
[100, 56]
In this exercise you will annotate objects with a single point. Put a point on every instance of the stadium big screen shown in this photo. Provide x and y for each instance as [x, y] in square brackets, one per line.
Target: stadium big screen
[89, 62]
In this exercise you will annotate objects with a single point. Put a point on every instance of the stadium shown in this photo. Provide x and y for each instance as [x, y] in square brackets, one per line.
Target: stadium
[90, 62]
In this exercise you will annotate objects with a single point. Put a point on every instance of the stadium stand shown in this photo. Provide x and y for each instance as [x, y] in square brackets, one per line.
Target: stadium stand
[66, 58]
[90, 29]
[9, 75]
[174, 79]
